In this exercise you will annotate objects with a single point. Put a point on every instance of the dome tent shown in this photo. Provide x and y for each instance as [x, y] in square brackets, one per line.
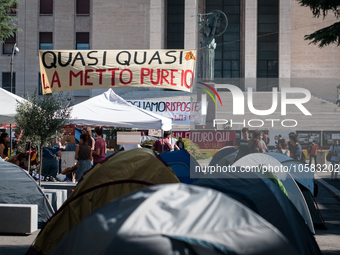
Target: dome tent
[124, 172]
[167, 219]
[223, 153]
[181, 162]
[304, 177]
[266, 199]
[18, 187]
[294, 193]
[300, 172]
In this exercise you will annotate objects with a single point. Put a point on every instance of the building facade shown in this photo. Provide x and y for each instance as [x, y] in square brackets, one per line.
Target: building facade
[263, 46]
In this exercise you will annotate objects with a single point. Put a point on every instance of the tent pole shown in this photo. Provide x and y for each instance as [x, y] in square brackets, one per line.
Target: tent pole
[171, 139]
[162, 140]
[29, 158]
[10, 140]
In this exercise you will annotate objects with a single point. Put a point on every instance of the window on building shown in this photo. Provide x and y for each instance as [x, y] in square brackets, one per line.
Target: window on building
[45, 41]
[267, 45]
[83, 6]
[46, 6]
[175, 24]
[7, 47]
[13, 11]
[227, 52]
[83, 41]
[6, 82]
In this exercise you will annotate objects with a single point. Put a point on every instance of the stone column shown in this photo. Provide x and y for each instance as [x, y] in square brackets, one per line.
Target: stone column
[190, 25]
[284, 43]
[64, 35]
[250, 37]
[157, 24]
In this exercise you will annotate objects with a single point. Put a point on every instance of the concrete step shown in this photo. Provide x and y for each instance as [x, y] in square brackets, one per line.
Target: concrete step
[18, 218]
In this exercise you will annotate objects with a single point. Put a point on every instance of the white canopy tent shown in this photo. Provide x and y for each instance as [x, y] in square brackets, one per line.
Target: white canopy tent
[8, 103]
[109, 109]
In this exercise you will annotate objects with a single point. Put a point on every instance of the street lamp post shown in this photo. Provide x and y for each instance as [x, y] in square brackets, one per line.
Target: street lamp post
[14, 50]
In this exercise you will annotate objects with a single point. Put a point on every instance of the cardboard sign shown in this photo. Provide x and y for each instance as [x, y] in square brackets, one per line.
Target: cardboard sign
[128, 137]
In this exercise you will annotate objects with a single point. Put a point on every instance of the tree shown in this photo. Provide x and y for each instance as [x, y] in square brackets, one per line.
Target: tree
[7, 23]
[326, 35]
[42, 119]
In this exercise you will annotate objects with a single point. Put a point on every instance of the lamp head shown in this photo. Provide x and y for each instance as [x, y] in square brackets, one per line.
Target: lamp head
[16, 49]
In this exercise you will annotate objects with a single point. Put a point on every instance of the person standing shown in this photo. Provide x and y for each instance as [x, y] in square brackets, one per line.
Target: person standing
[4, 138]
[84, 156]
[99, 152]
[254, 144]
[180, 143]
[335, 150]
[313, 151]
[50, 160]
[294, 147]
[243, 144]
[161, 144]
[263, 140]
[283, 147]
[89, 140]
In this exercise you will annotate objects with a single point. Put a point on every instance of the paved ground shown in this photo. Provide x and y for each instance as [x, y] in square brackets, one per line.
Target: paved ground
[16, 245]
[328, 240]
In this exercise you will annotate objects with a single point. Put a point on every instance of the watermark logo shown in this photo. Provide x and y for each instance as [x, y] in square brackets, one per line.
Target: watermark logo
[204, 106]
[238, 103]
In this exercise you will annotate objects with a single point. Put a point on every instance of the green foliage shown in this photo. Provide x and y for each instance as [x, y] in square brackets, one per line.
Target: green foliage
[148, 144]
[7, 23]
[327, 35]
[42, 118]
[193, 149]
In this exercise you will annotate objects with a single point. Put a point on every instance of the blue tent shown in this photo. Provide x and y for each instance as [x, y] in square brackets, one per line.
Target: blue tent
[263, 197]
[222, 153]
[180, 162]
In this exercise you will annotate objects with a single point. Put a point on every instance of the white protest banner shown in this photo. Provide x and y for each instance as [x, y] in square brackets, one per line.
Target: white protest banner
[128, 137]
[155, 132]
[181, 113]
[65, 70]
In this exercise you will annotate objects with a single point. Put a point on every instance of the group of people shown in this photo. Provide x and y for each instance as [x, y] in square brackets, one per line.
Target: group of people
[257, 144]
[17, 159]
[164, 144]
[88, 153]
